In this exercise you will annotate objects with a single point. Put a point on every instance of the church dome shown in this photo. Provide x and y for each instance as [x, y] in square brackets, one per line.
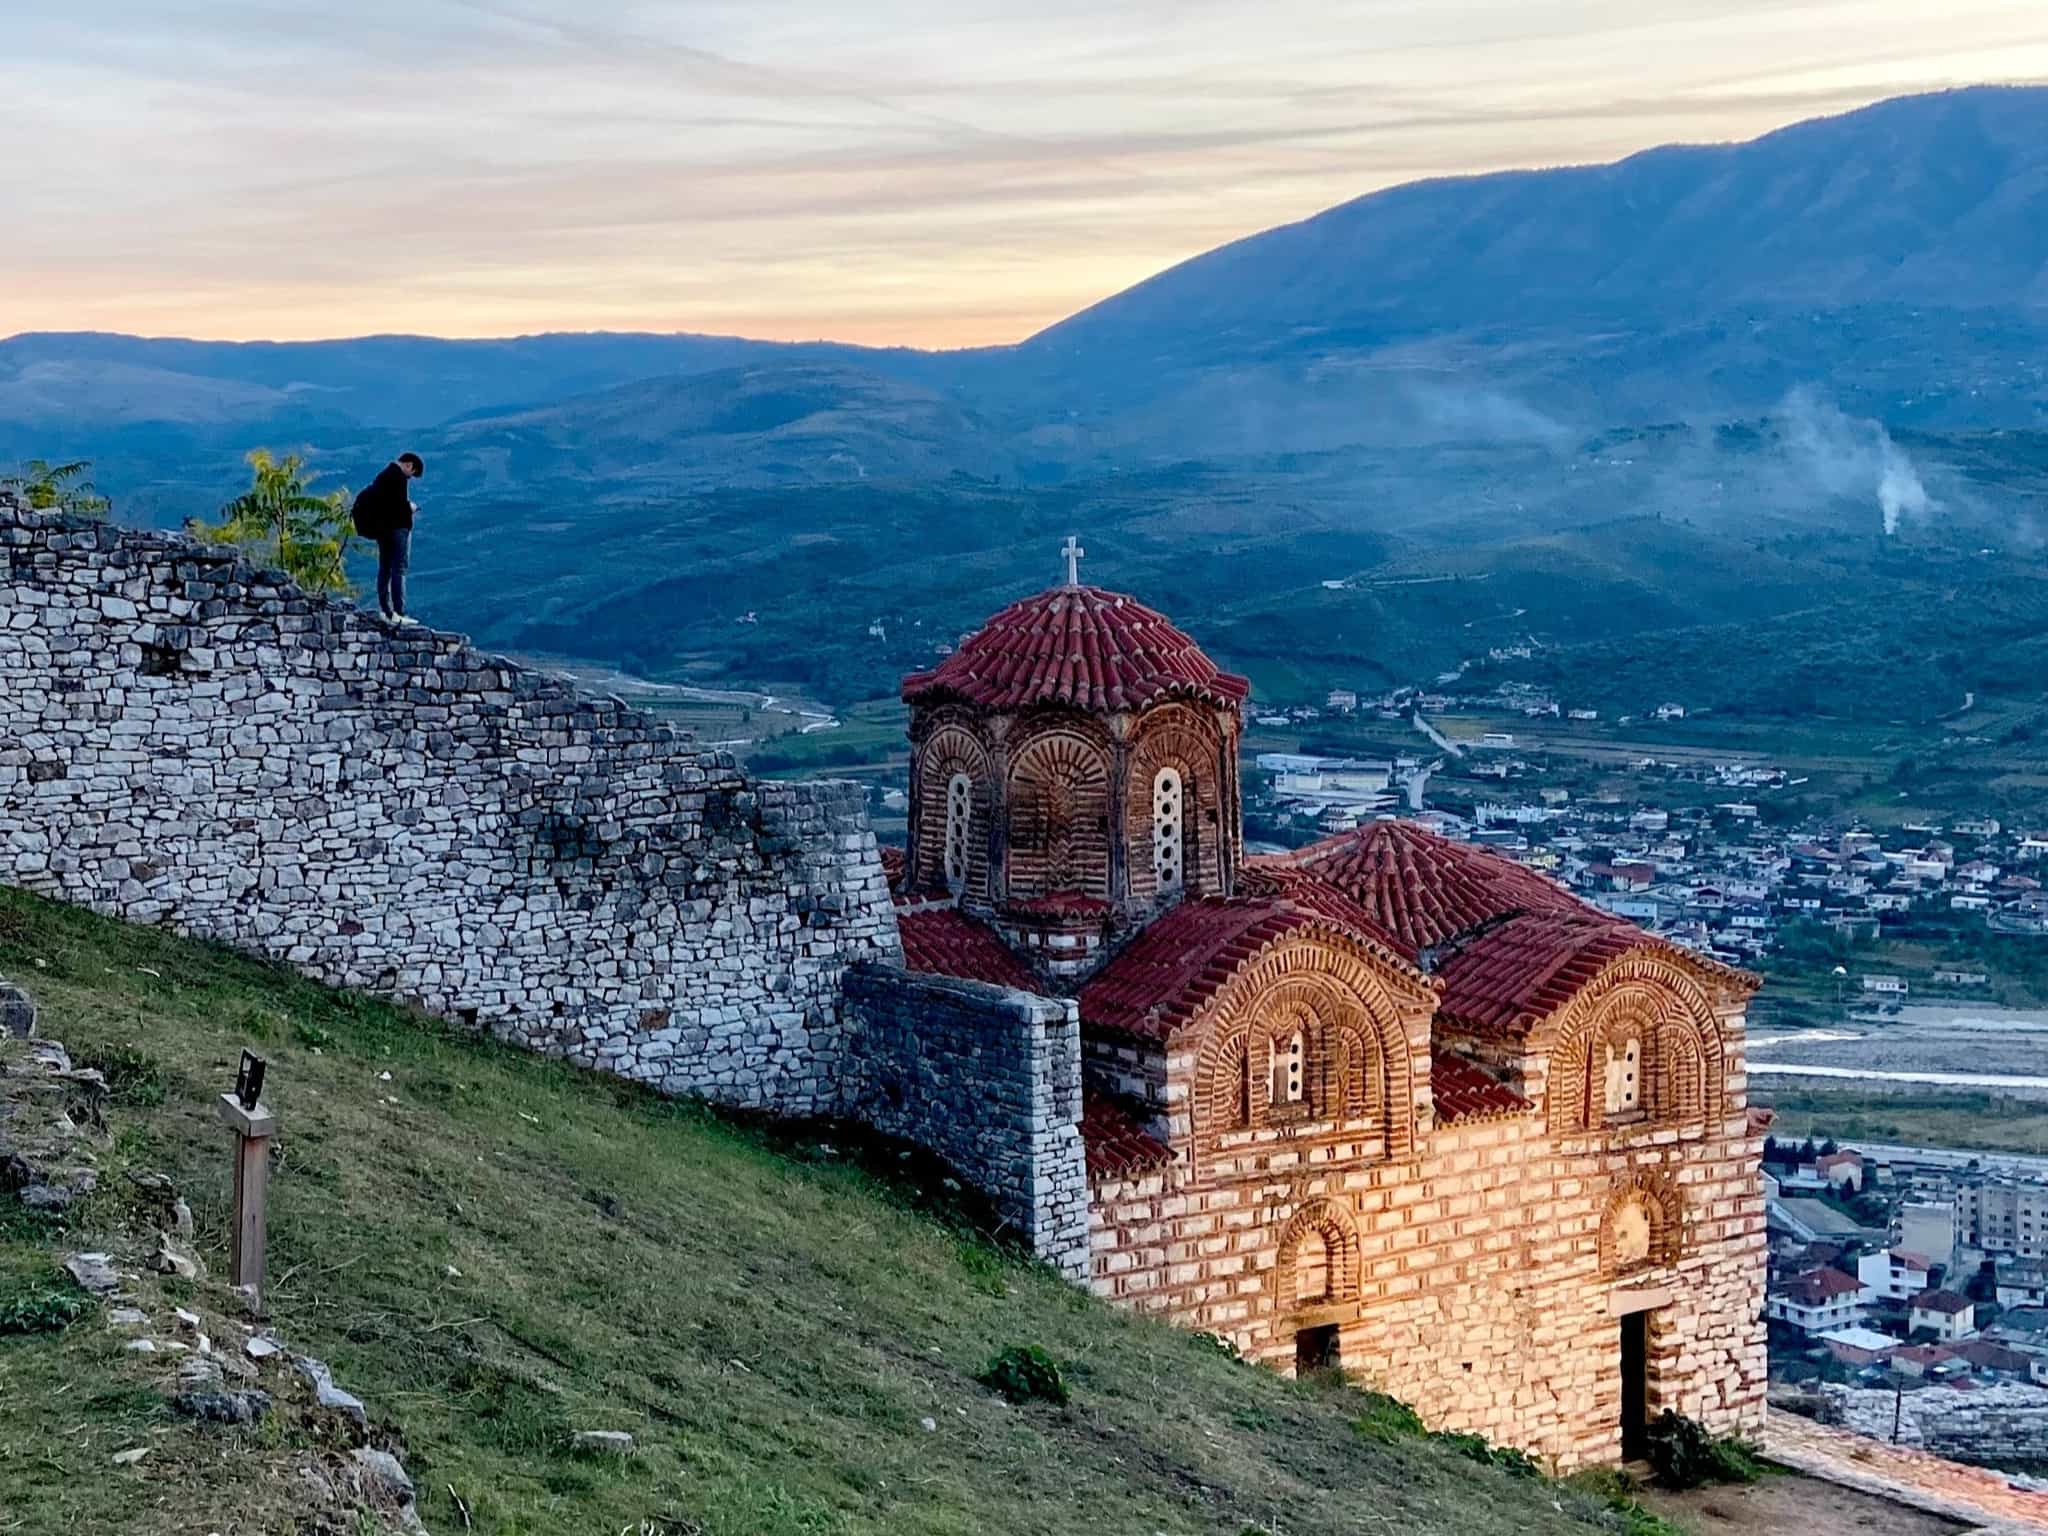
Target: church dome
[1078, 646]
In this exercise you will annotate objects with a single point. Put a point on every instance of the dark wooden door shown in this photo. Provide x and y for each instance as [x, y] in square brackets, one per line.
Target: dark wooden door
[1635, 1385]
[1317, 1349]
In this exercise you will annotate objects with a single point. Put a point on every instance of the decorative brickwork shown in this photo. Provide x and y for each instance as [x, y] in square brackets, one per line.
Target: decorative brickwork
[1644, 1017]
[1099, 748]
[1058, 804]
[1389, 1100]
[952, 845]
[1643, 1225]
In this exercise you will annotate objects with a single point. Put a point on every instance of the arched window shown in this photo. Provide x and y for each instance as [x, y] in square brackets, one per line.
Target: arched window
[1290, 1059]
[1625, 1075]
[959, 814]
[1169, 866]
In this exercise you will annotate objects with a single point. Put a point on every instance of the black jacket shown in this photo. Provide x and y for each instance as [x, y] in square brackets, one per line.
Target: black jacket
[386, 502]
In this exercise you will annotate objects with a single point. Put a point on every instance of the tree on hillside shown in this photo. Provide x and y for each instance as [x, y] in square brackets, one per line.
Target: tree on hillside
[282, 522]
[48, 487]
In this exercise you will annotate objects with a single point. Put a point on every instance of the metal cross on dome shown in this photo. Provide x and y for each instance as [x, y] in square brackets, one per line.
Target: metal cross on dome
[1073, 551]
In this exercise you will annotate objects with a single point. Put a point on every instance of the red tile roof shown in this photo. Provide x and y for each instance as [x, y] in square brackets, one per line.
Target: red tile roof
[1463, 1090]
[1925, 1354]
[1427, 889]
[1510, 946]
[894, 862]
[1080, 646]
[1988, 1355]
[1117, 1145]
[1946, 1302]
[1817, 1287]
[1519, 972]
[1164, 976]
[945, 941]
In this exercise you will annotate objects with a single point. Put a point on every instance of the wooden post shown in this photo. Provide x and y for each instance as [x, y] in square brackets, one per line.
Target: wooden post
[253, 1129]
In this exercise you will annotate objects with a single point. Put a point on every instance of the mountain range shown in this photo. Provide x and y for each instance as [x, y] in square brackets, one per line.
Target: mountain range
[1802, 341]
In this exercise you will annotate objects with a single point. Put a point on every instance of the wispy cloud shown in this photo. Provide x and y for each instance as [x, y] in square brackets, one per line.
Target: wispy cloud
[937, 171]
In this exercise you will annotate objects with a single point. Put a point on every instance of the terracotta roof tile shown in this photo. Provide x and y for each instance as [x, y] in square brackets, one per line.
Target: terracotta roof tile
[1941, 1301]
[1425, 888]
[1509, 945]
[1117, 1144]
[1080, 646]
[1464, 1090]
[1817, 1287]
[1163, 977]
[944, 941]
[1524, 968]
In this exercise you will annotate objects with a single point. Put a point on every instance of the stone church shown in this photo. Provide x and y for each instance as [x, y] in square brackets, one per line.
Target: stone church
[1390, 1102]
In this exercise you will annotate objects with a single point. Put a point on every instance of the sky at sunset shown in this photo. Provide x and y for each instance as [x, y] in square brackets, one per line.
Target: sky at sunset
[936, 174]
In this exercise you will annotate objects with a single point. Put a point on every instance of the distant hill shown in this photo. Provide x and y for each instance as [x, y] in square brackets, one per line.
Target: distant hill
[1926, 200]
[386, 381]
[771, 423]
[1647, 407]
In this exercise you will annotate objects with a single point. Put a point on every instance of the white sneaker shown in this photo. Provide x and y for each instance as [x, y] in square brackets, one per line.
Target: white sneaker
[404, 620]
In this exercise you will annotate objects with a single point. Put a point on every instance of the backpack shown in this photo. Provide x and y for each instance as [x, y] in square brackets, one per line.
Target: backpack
[366, 513]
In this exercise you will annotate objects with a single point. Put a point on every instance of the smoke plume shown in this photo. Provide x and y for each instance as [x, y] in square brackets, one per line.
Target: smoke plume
[1854, 456]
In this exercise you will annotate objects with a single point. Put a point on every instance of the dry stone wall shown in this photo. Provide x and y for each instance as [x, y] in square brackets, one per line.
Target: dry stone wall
[2004, 1425]
[185, 740]
[988, 1077]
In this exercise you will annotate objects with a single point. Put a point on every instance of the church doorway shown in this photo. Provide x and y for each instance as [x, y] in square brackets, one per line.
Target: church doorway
[1317, 1349]
[1635, 1385]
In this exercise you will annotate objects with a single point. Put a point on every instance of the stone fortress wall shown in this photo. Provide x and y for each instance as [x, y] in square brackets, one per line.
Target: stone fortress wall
[187, 741]
[990, 1079]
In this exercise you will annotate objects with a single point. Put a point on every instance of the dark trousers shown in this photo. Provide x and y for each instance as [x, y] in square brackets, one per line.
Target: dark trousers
[394, 554]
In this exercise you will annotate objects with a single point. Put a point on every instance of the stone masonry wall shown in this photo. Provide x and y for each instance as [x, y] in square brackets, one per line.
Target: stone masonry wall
[187, 741]
[990, 1079]
[2003, 1426]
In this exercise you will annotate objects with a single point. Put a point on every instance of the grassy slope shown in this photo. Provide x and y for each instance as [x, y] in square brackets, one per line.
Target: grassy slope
[770, 1321]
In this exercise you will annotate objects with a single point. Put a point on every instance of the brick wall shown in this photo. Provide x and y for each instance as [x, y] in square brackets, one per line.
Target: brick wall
[187, 741]
[987, 1077]
[1473, 1278]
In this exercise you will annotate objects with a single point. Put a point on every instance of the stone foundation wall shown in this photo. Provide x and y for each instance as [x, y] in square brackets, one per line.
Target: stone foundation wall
[2003, 1426]
[1480, 1288]
[987, 1077]
[187, 741]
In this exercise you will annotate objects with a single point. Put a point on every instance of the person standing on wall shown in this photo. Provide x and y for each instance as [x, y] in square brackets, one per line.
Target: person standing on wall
[384, 512]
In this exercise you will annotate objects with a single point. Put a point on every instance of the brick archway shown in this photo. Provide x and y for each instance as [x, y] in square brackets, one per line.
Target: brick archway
[1329, 1225]
[947, 751]
[1650, 1002]
[1360, 1067]
[1643, 1225]
[1056, 804]
[1175, 737]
